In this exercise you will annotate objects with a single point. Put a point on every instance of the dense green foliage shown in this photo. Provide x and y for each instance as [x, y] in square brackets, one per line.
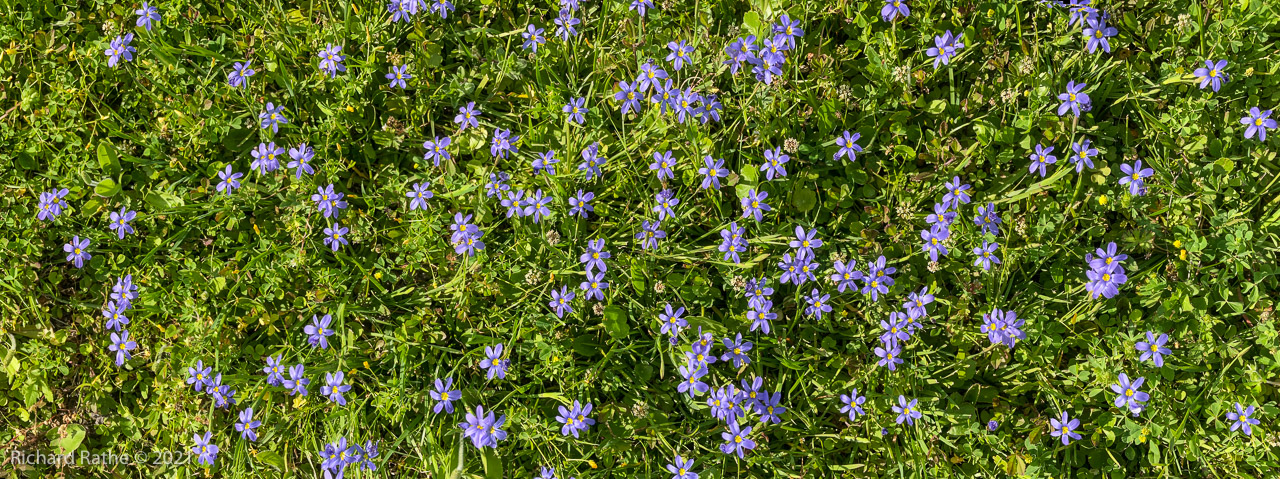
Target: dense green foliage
[232, 279]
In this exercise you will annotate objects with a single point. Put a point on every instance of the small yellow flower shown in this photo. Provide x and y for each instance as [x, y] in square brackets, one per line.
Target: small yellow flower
[1102, 200]
[1177, 243]
[1182, 255]
[377, 275]
[350, 109]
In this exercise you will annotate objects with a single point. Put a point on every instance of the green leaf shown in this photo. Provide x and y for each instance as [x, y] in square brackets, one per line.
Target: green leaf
[615, 322]
[108, 158]
[271, 458]
[937, 106]
[492, 464]
[69, 442]
[107, 187]
[751, 21]
[804, 200]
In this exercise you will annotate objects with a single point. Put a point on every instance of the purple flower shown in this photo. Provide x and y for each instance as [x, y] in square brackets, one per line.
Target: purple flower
[246, 425]
[1064, 428]
[772, 50]
[845, 276]
[331, 60]
[945, 48]
[1080, 10]
[594, 286]
[444, 395]
[334, 388]
[1129, 395]
[274, 374]
[120, 222]
[437, 149]
[818, 304]
[852, 404]
[760, 314]
[708, 110]
[560, 301]
[890, 356]
[537, 206]
[679, 54]
[877, 280]
[941, 216]
[665, 164]
[805, 242]
[915, 304]
[442, 8]
[333, 236]
[680, 467]
[650, 76]
[988, 219]
[642, 6]
[893, 9]
[240, 73]
[581, 419]
[1134, 177]
[482, 429]
[774, 159]
[665, 202]
[595, 255]
[733, 242]
[956, 193]
[591, 161]
[206, 452]
[650, 234]
[402, 10]
[273, 117]
[692, 383]
[198, 376]
[1041, 159]
[1258, 123]
[1153, 348]
[895, 330]
[564, 24]
[77, 251]
[301, 156]
[493, 363]
[419, 196]
[765, 67]
[700, 354]
[514, 203]
[1074, 100]
[146, 15]
[581, 204]
[1003, 327]
[264, 157]
[628, 96]
[992, 425]
[497, 184]
[736, 440]
[576, 108]
[467, 116]
[1097, 33]
[907, 411]
[51, 204]
[230, 180]
[736, 351]
[797, 271]
[545, 162]
[297, 382]
[739, 51]
[503, 144]
[223, 395]
[1242, 419]
[532, 37]
[121, 345]
[398, 75]
[788, 30]
[753, 204]
[318, 331]
[664, 96]
[769, 407]
[1083, 153]
[986, 254]
[1212, 74]
[848, 146]
[119, 49]
[933, 241]
[712, 172]
[671, 320]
